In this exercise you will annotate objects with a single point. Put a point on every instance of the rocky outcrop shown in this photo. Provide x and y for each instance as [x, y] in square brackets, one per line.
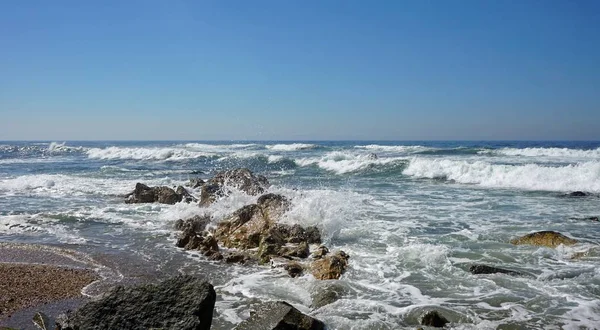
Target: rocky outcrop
[182, 302]
[144, 194]
[433, 319]
[548, 238]
[484, 269]
[330, 267]
[279, 315]
[195, 237]
[240, 178]
[195, 183]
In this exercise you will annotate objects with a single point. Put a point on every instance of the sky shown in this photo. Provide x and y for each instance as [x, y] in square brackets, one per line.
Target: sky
[300, 70]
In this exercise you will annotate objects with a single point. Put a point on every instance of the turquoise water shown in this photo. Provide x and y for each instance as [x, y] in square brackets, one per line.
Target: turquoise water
[412, 215]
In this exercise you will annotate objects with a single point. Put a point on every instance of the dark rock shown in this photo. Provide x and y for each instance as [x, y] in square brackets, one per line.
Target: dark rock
[313, 235]
[239, 258]
[544, 238]
[577, 194]
[185, 195]
[330, 267]
[197, 223]
[195, 183]
[279, 316]
[182, 302]
[294, 269]
[210, 192]
[299, 234]
[144, 194]
[483, 269]
[433, 319]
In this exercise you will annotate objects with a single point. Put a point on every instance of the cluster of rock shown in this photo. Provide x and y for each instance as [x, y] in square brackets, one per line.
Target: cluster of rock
[252, 233]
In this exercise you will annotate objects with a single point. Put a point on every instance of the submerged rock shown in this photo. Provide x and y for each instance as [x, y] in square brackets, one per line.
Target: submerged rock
[240, 178]
[484, 269]
[433, 319]
[330, 267]
[144, 194]
[577, 194]
[544, 238]
[279, 315]
[182, 302]
[327, 293]
[195, 183]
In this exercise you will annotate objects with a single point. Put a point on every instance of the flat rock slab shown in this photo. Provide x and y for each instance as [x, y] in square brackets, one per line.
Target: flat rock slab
[279, 315]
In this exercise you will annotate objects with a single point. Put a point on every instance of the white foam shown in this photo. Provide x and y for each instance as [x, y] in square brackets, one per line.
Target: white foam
[145, 153]
[582, 176]
[65, 185]
[56, 147]
[549, 152]
[396, 149]
[291, 147]
[341, 162]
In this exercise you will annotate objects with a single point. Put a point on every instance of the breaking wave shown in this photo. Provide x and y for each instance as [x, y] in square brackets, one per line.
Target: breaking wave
[582, 176]
[145, 153]
[341, 162]
[549, 152]
[291, 147]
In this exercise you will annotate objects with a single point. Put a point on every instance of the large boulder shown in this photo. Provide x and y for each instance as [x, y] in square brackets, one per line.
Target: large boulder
[182, 302]
[144, 194]
[279, 315]
[240, 178]
[330, 267]
[547, 238]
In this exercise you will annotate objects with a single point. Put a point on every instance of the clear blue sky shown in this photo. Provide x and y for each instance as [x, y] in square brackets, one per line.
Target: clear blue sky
[399, 70]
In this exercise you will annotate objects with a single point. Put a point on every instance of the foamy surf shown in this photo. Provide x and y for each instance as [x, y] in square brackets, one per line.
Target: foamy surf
[582, 176]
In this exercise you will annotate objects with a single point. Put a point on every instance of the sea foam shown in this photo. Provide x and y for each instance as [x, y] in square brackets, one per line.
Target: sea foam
[582, 176]
[291, 147]
[145, 153]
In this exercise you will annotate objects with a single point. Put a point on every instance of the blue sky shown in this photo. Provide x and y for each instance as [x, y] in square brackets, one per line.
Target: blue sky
[300, 70]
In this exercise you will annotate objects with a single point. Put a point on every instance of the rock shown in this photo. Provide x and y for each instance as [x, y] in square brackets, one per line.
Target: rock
[433, 319]
[182, 302]
[243, 229]
[577, 194]
[240, 178]
[321, 252]
[327, 293]
[294, 269]
[273, 206]
[195, 183]
[185, 195]
[483, 269]
[299, 251]
[279, 315]
[330, 267]
[372, 156]
[144, 194]
[239, 258]
[544, 238]
[194, 237]
[298, 234]
[197, 223]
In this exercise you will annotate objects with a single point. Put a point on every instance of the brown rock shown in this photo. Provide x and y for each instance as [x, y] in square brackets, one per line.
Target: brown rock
[144, 194]
[544, 238]
[294, 269]
[330, 267]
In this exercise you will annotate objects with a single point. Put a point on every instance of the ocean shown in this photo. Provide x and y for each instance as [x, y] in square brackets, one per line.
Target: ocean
[413, 216]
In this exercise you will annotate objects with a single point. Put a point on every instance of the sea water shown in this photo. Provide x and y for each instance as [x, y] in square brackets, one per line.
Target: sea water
[413, 216]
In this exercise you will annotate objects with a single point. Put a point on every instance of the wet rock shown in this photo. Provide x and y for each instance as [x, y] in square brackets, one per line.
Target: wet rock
[330, 267]
[433, 319]
[484, 269]
[544, 238]
[320, 252]
[197, 223]
[327, 293]
[182, 302]
[273, 206]
[195, 183]
[577, 194]
[238, 258]
[185, 195]
[144, 194]
[298, 234]
[299, 251]
[244, 228]
[294, 269]
[279, 315]
[240, 178]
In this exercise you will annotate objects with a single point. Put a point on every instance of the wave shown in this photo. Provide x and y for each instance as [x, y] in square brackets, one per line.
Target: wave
[583, 176]
[398, 149]
[145, 153]
[549, 152]
[341, 162]
[291, 147]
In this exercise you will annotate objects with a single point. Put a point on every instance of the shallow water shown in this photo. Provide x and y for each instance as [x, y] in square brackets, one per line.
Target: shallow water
[413, 217]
